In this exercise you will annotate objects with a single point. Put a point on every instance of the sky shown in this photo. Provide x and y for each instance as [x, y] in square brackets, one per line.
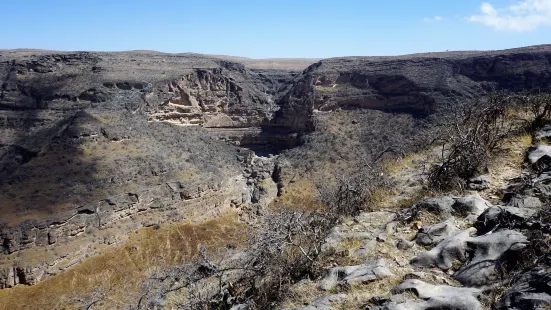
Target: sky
[275, 28]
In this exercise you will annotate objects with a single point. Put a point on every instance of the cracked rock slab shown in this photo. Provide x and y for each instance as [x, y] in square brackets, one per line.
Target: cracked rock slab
[487, 254]
[446, 252]
[370, 271]
[433, 234]
[440, 297]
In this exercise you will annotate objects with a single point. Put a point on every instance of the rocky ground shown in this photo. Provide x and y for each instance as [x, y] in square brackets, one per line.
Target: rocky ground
[94, 146]
[472, 251]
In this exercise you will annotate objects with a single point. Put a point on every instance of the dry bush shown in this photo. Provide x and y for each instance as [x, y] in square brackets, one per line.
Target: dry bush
[538, 106]
[349, 194]
[469, 135]
[287, 249]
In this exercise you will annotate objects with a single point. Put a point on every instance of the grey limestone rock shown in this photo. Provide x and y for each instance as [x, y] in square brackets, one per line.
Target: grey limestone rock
[487, 252]
[370, 271]
[442, 297]
[440, 205]
[479, 183]
[446, 252]
[503, 217]
[433, 234]
[472, 204]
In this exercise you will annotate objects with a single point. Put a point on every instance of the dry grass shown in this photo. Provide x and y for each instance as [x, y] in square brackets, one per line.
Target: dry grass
[394, 165]
[123, 268]
[359, 295]
[300, 295]
[507, 164]
[350, 243]
[301, 194]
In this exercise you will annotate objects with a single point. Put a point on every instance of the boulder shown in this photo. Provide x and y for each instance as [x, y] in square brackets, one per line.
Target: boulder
[404, 244]
[479, 183]
[433, 234]
[503, 217]
[446, 252]
[525, 202]
[539, 154]
[487, 253]
[472, 204]
[370, 271]
[425, 290]
[437, 297]
[543, 133]
[441, 206]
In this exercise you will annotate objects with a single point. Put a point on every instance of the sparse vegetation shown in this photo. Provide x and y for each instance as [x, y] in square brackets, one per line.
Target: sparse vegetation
[470, 134]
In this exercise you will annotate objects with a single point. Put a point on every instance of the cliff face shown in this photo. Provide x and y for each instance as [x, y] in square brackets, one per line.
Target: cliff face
[415, 84]
[89, 150]
[115, 141]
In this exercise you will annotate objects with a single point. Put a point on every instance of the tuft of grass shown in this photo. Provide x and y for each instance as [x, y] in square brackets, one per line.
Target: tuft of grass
[380, 197]
[300, 295]
[350, 243]
[359, 295]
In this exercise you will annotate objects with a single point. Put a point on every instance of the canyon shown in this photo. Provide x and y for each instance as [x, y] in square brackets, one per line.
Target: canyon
[96, 145]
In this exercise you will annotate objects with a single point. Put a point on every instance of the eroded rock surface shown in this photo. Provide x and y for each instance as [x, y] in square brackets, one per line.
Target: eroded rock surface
[453, 248]
[370, 271]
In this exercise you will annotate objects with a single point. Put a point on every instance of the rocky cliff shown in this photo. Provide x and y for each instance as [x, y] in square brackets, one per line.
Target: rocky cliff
[416, 84]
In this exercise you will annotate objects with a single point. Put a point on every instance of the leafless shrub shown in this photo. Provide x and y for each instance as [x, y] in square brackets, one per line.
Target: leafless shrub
[287, 249]
[210, 281]
[469, 135]
[348, 194]
[538, 106]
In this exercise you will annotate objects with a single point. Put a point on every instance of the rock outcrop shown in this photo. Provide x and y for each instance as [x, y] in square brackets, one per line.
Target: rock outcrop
[419, 84]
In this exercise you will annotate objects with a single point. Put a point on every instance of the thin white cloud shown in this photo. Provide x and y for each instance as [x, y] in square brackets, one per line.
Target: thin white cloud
[433, 19]
[522, 16]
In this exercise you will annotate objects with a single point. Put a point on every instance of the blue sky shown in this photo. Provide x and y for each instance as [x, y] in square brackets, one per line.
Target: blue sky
[282, 28]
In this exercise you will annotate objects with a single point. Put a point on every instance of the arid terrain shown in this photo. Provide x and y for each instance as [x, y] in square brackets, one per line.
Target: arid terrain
[148, 180]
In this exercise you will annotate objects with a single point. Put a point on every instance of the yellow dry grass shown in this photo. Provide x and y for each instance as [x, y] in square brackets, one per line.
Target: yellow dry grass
[508, 163]
[123, 268]
[299, 195]
[393, 165]
[300, 295]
